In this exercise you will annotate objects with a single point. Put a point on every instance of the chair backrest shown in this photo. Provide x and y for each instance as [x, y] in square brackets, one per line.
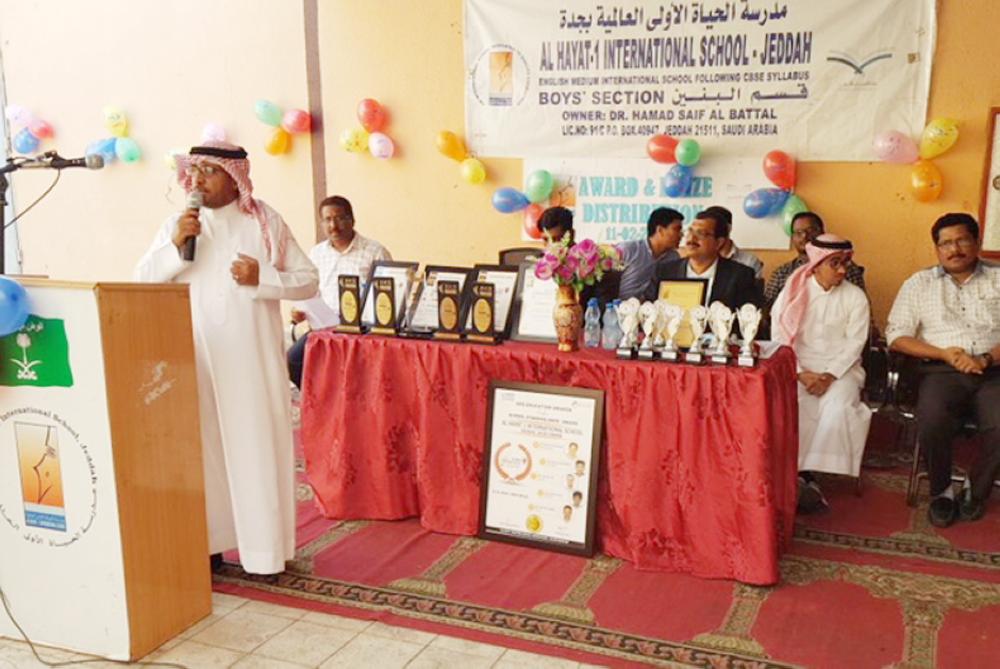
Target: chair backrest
[875, 360]
[517, 255]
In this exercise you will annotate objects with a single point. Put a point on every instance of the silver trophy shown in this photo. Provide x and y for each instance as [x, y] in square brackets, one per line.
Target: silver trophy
[696, 317]
[628, 319]
[672, 315]
[720, 319]
[749, 316]
[648, 317]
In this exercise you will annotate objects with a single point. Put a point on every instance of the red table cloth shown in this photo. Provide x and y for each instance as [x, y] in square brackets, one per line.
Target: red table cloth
[698, 471]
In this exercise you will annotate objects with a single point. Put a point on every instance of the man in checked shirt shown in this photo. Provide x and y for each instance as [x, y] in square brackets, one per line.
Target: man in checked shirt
[344, 251]
[949, 315]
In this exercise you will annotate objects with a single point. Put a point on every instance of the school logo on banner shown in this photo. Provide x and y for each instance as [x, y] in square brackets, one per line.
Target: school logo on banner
[36, 355]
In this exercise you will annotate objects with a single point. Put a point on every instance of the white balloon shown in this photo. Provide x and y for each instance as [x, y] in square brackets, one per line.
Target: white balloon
[380, 145]
[213, 132]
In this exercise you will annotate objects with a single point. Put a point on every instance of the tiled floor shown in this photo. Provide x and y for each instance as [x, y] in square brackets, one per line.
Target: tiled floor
[247, 634]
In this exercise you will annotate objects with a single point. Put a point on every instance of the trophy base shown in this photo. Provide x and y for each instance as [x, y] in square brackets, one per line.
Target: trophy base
[447, 336]
[384, 331]
[348, 329]
[624, 352]
[693, 357]
[490, 339]
[719, 359]
[647, 354]
[669, 355]
[746, 361]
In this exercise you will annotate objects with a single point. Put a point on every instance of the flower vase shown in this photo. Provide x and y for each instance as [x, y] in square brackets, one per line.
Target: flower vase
[568, 318]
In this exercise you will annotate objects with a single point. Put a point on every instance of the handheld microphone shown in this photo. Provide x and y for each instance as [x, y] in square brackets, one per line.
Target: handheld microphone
[52, 160]
[194, 202]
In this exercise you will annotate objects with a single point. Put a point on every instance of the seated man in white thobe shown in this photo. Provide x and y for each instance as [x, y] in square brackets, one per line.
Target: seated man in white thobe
[825, 320]
[245, 261]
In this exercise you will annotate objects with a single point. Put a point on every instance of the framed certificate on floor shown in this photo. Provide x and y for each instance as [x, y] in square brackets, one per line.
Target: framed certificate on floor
[542, 455]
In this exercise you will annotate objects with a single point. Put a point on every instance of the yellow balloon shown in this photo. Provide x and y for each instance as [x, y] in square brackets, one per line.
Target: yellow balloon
[926, 181]
[939, 136]
[354, 140]
[280, 142]
[451, 145]
[473, 171]
[116, 121]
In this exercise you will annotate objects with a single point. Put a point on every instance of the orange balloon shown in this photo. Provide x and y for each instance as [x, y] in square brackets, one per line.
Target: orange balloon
[661, 148]
[451, 145]
[926, 181]
[531, 215]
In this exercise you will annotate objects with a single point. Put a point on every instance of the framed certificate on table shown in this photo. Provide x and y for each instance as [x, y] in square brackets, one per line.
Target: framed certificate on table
[685, 293]
[504, 280]
[534, 302]
[402, 274]
[542, 454]
[422, 313]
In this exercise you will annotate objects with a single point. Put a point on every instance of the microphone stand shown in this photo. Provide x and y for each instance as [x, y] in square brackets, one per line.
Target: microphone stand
[4, 184]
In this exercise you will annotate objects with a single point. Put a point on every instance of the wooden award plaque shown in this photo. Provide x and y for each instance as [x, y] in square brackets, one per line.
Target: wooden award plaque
[384, 300]
[349, 289]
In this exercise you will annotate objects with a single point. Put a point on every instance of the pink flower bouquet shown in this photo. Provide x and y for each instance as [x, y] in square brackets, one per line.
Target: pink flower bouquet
[578, 265]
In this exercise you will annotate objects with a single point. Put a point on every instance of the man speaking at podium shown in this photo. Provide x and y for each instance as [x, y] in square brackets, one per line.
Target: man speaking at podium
[240, 259]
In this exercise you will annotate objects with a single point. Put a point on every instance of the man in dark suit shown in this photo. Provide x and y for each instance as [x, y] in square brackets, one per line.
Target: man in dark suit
[729, 282]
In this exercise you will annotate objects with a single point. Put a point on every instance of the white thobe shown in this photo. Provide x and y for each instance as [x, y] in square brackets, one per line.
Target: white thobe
[833, 428]
[243, 392]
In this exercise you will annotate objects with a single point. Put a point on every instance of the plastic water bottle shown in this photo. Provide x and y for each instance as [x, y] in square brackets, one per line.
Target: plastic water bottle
[592, 324]
[611, 334]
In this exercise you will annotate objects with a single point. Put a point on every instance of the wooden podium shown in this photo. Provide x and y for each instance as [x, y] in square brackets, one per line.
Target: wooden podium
[103, 540]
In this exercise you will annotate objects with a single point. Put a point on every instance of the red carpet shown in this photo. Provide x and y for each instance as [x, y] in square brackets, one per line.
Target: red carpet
[869, 584]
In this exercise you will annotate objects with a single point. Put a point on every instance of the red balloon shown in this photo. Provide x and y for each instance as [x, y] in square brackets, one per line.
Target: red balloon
[531, 215]
[296, 120]
[371, 115]
[661, 148]
[779, 167]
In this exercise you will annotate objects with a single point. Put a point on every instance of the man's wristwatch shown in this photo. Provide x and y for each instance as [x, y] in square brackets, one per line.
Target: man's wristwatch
[987, 358]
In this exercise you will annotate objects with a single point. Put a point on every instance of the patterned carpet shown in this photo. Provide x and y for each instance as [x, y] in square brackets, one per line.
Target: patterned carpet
[868, 584]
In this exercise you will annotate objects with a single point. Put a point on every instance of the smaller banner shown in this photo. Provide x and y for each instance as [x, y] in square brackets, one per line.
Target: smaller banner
[36, 355]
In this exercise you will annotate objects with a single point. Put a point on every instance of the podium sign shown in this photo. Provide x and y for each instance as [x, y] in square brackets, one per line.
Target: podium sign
[101, 481]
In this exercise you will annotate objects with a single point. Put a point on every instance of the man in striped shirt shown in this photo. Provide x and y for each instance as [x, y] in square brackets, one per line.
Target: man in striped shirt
[949, 315]
[344, 251]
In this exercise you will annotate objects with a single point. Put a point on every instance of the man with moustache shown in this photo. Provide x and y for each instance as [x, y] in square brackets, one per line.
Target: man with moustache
[729, 282]
[949, 316]
[345, 251]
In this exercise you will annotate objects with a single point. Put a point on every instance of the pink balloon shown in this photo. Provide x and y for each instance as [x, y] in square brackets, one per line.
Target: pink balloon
[296, 120]
[380, 145]
[894, 147]
[213, 132]
[40, 129]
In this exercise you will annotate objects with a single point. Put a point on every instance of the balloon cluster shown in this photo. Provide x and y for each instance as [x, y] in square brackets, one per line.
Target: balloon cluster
[471, 169]
[13, 306]
[369, 137]
[925, 178]
[32, 129]
[119, 145]
[285, 124]
[684, 153]
[779, 168]
[537, 189]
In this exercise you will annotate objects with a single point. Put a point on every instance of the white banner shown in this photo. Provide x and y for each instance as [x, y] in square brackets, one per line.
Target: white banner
[612, 199]
[578, 79]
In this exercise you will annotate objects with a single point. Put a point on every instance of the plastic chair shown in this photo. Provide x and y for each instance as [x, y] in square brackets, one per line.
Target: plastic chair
[516, 256]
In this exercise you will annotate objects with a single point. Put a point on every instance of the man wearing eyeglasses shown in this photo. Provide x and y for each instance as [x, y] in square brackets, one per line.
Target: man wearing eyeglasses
[806, 226]
[729, 282]
[344, 251]
[949, 316]
[245, 262]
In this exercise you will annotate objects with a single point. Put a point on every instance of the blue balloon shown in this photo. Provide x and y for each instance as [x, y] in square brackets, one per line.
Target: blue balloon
[509, 200]
[764, 202]
[105, 148]
[677, 183]
[25, 142]
[13, 306]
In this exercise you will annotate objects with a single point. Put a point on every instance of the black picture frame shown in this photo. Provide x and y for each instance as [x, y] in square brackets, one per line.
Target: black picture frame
[372, 272]
[515, 330]
[418, 291]
[538, 539]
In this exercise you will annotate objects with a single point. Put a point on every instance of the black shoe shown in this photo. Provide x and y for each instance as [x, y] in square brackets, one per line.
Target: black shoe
[216, 561]
[971, 509]
[811, 497]
[941, 512]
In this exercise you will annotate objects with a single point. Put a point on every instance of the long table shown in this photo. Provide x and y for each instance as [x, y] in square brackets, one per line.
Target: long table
[698, 472]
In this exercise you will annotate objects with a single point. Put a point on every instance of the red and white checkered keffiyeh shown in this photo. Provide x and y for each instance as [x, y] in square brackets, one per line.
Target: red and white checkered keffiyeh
[818, 250]
[239, 169]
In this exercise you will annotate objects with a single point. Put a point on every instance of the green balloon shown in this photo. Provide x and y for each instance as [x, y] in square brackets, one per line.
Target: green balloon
[793, 205]
[268, 112]
[688, 152]
[127, 150]
[539, 186]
